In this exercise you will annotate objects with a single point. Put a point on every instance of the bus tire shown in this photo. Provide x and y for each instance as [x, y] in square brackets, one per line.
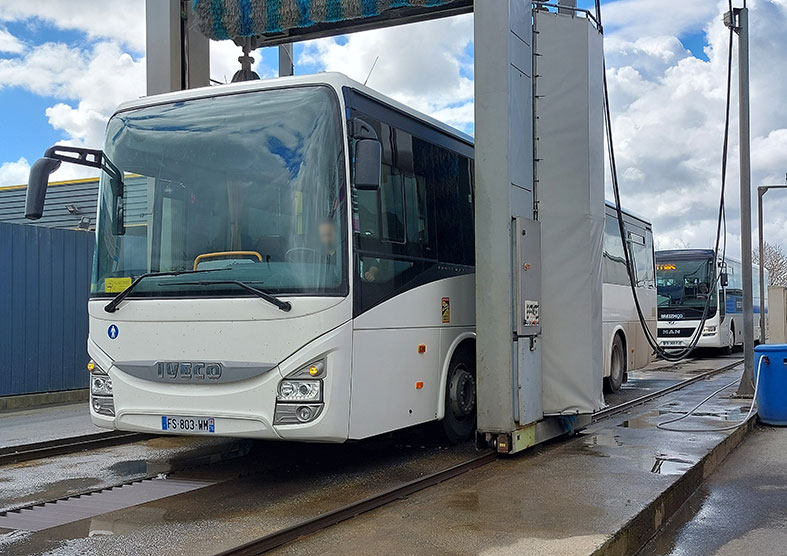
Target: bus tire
[617, 366]
[730, 348]
[460, 398]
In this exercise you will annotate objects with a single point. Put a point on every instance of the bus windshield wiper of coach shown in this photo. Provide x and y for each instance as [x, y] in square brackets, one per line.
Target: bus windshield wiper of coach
[262, 294]
[112, 306]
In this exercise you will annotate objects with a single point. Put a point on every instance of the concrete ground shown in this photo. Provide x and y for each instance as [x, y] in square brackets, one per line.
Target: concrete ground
[609, 487]
[46, 423]
[741, 510]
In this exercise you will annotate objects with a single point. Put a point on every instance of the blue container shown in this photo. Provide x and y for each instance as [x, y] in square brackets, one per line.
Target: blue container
[772, 388]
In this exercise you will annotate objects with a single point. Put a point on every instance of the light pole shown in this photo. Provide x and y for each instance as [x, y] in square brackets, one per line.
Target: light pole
[761, 191]
[738, 21]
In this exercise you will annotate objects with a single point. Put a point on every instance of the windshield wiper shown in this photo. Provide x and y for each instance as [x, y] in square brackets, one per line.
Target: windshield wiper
[112, 306]
[270, 298]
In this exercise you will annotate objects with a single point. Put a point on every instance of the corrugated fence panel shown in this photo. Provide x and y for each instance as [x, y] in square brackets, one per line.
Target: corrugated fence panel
[44, 286]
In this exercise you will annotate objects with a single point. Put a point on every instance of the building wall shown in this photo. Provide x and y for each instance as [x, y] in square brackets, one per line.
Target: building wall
[44, 286]
[82, 194]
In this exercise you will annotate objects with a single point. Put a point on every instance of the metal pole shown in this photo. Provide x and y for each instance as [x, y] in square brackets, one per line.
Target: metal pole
[746, 386]
[286, 62]
[760, 192]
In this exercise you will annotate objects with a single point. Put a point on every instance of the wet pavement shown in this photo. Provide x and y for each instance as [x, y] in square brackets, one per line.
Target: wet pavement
[741, 510]
[46, 423]
[661, 374]
[570, 497]
[567, 497]
[277, 485]
[51, 478]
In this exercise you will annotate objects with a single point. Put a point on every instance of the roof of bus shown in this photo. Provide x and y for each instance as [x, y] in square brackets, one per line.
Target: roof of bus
[333, 79]
[691, 253]
[685, 253]
[612, 205]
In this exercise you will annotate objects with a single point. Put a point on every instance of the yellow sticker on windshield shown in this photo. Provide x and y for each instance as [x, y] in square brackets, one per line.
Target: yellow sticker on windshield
[116, 285]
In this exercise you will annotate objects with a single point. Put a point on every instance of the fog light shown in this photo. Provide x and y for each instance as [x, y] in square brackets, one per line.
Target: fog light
[304, 413]
[296, 414]
[103, 406]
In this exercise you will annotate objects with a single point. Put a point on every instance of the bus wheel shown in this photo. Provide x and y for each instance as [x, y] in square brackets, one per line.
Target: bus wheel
[617, 366]
[730, 340]
[460, 415]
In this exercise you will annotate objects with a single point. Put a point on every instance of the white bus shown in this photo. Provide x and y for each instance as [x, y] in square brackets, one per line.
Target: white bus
[625, 344]
[686, 278]
[288, 259]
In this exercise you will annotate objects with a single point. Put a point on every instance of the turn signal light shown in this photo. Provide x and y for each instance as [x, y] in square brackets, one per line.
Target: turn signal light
[419, 385]
[91, 366]
[421, 348]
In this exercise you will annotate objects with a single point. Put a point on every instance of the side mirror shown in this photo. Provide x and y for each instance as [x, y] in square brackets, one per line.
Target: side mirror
[724, 279]
[368, 164]
[37, 183]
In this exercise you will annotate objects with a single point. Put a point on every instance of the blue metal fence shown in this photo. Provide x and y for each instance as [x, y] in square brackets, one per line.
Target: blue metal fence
[44, 286]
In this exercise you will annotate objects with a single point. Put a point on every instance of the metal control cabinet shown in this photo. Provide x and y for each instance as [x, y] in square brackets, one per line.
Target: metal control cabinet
[527, 273]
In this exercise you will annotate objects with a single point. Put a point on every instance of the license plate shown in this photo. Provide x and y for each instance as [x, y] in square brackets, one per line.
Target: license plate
[188, 424]
[671, 343]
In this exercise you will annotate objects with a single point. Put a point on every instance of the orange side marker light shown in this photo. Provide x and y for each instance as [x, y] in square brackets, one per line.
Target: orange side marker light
[421, 348]
[419, 385]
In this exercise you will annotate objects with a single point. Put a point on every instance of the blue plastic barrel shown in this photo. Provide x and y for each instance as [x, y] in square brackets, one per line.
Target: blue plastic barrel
[772, 389]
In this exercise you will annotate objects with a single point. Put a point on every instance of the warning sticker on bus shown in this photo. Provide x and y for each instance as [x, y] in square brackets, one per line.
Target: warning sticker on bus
[116, 285]
[445, 308]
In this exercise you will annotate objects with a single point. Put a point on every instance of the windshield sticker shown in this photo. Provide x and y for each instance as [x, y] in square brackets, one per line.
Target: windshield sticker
[116, 285]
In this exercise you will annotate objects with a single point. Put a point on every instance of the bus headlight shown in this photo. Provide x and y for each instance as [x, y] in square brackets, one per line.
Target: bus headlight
[300, 391]
[100, 385]
[709, 330]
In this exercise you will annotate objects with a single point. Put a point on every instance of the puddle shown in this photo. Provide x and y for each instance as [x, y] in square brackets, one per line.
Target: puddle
[139, 467]
[602, 438]
[669, 465]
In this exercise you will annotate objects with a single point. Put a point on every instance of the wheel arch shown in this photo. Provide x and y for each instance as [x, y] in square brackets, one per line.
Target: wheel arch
[466, 340]
[617, 330]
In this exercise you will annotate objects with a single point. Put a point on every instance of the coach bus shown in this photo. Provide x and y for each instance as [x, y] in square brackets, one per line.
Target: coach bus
[290, 259]
[626, 347]
[690, 279]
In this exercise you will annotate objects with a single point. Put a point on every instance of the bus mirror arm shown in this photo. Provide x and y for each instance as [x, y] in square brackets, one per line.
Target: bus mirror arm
[38, 180]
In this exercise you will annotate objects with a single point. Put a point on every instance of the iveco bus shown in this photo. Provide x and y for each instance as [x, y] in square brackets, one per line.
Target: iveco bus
[286, 259]
[688, 280]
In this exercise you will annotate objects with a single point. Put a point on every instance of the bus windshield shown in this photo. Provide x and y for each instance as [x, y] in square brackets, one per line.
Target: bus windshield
[686, 283]
[250, 186]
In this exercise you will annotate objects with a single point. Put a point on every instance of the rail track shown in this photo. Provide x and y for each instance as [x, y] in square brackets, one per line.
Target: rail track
[60, 446]
[309, 526]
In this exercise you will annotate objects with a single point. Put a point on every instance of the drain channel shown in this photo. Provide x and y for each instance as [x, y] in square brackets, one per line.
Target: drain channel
[68, 510]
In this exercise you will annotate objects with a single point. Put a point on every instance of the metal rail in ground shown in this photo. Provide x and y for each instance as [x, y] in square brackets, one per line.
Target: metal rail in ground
[289, 534]
[293, 533]
[615, 409]
[60, 446]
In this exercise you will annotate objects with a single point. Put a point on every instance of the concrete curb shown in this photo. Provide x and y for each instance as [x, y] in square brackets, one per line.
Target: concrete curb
[637, 532]
[30, 401]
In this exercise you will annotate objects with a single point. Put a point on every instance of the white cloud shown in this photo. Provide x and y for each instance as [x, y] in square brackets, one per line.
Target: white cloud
[120, 21]
[14, 173]
[9, 43]
[422, 65]
[668, 110]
